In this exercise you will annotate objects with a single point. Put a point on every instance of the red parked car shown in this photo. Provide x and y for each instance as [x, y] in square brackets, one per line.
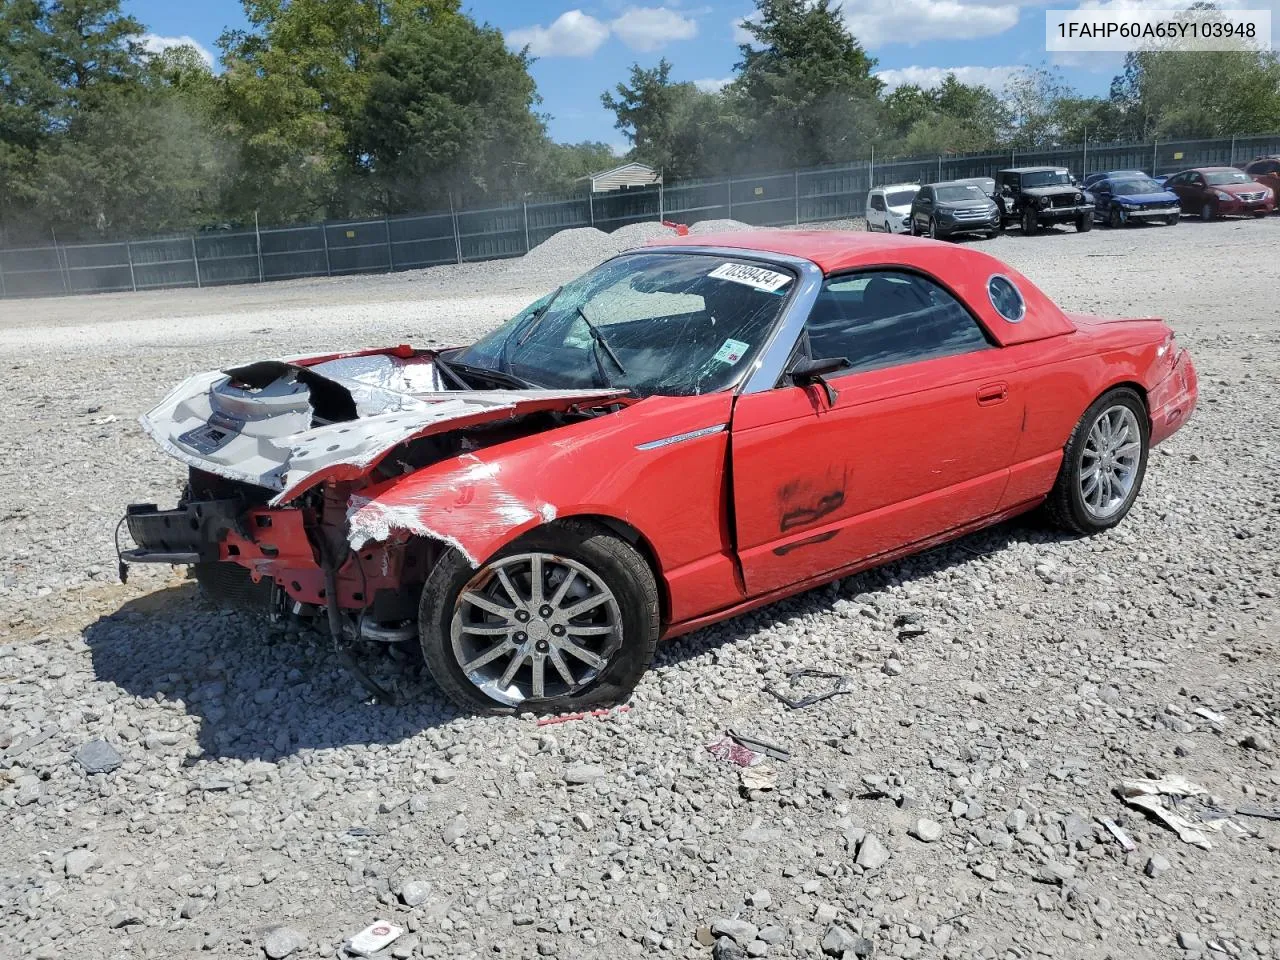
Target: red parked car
[1221, 191]
[686, 432]
[1266, 170]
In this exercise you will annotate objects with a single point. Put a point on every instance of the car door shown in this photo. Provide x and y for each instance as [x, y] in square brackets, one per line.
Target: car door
[1102, 195]
[1178, 184]
[922, 209]
[876, 211]
[916, 440]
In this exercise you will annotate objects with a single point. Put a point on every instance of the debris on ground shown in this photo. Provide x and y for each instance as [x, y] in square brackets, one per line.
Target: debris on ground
[1146, 795]
[602, 714]
[796, 700]
[377, 936]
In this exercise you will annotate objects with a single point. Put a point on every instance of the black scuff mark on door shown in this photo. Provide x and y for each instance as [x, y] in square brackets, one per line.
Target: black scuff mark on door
[786, 548]
[806, 501]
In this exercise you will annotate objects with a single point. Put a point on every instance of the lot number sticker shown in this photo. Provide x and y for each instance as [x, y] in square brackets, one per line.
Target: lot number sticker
[731, 351]
[758, 277]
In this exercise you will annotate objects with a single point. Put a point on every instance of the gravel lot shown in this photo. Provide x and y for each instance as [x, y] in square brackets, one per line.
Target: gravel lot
[1003, 686]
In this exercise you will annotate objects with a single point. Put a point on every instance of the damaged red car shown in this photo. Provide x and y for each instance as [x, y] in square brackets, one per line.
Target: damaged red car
[686, 432]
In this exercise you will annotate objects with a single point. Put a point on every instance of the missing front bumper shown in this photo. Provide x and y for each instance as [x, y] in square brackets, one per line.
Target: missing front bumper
[189, 534]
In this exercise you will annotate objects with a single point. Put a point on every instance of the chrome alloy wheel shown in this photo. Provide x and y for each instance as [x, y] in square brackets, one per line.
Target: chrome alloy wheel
[534, 626]
[1109, 461]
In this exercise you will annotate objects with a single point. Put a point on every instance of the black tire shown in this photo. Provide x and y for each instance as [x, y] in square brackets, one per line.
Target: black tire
[1084, 223]
[615, 561]
[914, 229]
[1065, 504]
[1172, 219]
[1029, 223]
[1207, 212]
[1115, 220]
[933, 229]
[1259, 213]
[992, 234]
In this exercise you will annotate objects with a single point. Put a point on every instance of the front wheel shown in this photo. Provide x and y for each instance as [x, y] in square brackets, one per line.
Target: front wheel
[1103, 464]
[1206, 212]
[1116, 220]
[1172, 219]
[1029, 223]
[933, 229]
[1084, 223]
[564, 619]
[915, 231]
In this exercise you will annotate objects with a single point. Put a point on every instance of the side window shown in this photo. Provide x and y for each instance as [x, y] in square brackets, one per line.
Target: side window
[877, 201]
[889, 318]
[1196, 180]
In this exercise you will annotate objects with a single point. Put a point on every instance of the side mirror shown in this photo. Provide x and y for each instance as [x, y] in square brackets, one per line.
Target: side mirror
[806, 372]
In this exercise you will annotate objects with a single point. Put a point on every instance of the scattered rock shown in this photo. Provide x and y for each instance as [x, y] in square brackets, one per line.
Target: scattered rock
[1156, 865]
[581, 773]
[98, 756]
[739, 931]
[282, 941]
[872, 854]
[926, 831]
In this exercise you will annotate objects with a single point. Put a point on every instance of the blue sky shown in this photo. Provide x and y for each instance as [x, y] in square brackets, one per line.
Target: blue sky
[587, 46]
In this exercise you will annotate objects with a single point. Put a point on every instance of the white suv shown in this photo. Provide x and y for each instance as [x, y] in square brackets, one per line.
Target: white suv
[889, 207]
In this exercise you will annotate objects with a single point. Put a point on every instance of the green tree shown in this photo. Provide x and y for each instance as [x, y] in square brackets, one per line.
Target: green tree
[805, 90]
[953, 117]
[684, 131]
[1198, 94]
[449, 109]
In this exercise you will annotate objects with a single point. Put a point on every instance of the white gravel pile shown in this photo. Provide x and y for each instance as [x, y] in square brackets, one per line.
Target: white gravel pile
[244, 802]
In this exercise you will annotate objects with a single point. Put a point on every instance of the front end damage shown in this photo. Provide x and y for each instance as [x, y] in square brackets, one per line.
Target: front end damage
[293, 463]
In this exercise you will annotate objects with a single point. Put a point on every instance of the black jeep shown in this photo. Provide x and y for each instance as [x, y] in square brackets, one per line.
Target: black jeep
[1042, 196]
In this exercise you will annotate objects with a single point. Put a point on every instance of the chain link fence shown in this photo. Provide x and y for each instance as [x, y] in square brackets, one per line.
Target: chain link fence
[410, 242]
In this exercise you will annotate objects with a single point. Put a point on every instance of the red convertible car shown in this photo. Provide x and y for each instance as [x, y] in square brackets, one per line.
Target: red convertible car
[687, 431]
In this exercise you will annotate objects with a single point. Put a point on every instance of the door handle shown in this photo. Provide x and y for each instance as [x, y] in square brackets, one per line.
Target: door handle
[990, 394]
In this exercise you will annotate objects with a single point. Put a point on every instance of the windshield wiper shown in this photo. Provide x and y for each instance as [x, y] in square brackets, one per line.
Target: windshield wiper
[600, 341]
[445, 367]
[495, 376]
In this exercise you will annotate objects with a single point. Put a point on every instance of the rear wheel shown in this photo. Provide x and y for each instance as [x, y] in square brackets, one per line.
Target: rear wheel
[1103, 464]
[914, 230]
[1029, 223]
[1206, 211]
[563, 619]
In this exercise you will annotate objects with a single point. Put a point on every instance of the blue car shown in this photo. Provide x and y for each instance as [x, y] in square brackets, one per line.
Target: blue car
[1099, 175]
[1121, 200]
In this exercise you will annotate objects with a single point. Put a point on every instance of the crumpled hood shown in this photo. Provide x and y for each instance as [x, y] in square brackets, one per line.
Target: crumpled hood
[290, 424]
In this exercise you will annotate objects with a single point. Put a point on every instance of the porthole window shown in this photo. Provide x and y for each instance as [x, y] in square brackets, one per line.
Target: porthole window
[1006, 299]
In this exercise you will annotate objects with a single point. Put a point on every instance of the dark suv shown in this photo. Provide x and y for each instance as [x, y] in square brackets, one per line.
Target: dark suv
[951, 208]
[1042, 196]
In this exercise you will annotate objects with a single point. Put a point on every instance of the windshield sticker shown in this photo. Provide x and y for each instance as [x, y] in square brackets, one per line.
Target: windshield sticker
[732, 351]
[758, 277]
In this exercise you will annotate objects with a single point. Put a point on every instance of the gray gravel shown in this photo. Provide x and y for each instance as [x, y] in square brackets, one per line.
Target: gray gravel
[250, 804]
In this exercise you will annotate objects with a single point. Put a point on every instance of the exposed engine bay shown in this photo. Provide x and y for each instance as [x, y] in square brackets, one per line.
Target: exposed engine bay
[286, 457]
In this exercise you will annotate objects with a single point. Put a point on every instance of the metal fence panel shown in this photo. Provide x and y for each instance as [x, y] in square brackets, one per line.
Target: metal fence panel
[289, 253]
[32, 272]
[701, 200]
[421, 240]
[621, 207]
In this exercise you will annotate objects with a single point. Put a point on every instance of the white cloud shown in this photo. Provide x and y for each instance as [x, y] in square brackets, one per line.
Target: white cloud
[573, 34]
[876, 23]
[154, 43]
[994, 78]
[651, 28]
[740, 34]
[713, 84]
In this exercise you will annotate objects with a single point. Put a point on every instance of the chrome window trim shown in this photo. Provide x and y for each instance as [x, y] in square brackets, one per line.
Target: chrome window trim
[1022, 301]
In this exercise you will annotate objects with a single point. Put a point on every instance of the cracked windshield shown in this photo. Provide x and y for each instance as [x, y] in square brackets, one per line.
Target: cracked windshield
[652, 323]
